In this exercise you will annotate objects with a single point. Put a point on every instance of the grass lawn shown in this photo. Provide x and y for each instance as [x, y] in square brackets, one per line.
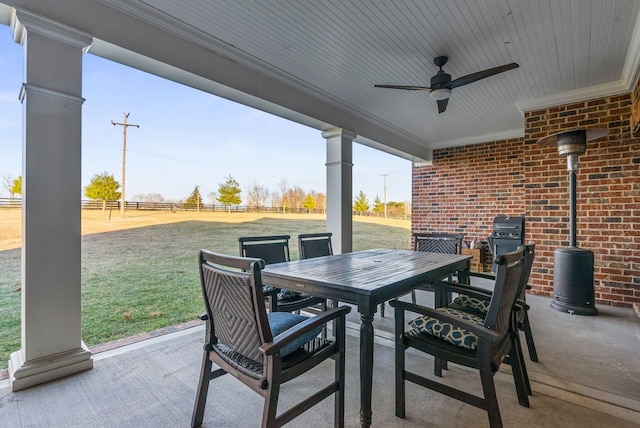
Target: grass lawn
[140, 273]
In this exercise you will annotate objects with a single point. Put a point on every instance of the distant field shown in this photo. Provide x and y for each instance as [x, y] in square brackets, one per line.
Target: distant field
[139, 273]
[95, 221]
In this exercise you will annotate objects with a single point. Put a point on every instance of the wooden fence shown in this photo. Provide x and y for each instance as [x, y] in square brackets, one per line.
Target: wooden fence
[90, 204]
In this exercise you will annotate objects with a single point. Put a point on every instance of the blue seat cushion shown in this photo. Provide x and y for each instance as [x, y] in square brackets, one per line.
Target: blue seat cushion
[447, 331]
[281, 321]
[472, 303]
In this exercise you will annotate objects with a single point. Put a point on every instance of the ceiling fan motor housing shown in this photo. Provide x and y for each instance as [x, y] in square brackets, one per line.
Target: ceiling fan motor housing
[440, 80]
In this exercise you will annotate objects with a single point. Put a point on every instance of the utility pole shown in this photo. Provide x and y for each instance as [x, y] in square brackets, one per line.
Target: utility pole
[385, 194]
[124, 125]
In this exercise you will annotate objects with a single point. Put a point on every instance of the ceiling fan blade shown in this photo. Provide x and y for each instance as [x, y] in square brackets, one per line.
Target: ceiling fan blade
[473, 77]
[408, 88]
[442, 105]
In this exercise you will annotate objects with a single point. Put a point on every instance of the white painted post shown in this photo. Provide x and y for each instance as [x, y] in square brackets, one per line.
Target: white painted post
[51, 345]
[340, 188]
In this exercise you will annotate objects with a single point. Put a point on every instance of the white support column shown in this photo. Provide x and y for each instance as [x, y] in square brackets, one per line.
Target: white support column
[339, 188]
[51, 345]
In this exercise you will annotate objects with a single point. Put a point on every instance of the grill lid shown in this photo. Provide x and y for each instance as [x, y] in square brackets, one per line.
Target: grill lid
[508, 227]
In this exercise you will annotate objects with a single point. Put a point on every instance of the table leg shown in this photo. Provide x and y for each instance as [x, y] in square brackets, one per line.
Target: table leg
[366, 368]
[463, 276]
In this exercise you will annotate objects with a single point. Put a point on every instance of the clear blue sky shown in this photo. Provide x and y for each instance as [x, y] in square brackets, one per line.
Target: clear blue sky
[186, 137]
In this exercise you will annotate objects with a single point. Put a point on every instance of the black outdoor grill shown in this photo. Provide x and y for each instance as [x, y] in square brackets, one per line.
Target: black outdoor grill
[507, 235]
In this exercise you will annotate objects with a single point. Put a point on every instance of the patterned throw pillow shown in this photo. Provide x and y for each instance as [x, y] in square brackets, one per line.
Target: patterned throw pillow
[446, 331]
[472, 303]
[283, 295]
[286, 295]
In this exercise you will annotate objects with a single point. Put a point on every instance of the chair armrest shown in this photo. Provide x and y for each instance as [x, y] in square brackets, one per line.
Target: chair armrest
[482, 275]
[298, 330]
[203, 316]
[469, 290]
[478, 330]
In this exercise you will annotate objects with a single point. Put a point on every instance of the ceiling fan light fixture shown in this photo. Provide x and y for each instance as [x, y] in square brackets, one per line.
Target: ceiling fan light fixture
[440, 94]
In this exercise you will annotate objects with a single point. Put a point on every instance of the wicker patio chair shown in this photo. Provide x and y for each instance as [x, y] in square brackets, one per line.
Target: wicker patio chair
[263, 350]
[447, 243]
[456, 336]
[275, 249]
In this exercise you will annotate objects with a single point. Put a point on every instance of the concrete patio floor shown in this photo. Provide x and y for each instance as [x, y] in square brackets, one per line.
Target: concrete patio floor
[588, 376]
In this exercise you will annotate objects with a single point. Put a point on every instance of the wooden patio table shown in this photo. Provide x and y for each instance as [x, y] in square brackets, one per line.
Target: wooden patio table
[366, 279]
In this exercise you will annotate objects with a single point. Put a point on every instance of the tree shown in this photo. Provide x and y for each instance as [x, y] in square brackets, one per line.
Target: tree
[103, 187]
[309, 203]
[16, 188]
[378, 206]
[295, 196]
[257, 195]
[212, 196]
[361, 203]
[195, 198]
[13, 186]
[321, 199]
[396, 209]
[8, 184]
[284, 190]
[275, 199]
[229, 192]
[148, 197]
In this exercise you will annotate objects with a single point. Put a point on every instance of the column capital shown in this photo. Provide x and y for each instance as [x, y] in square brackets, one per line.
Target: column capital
[338, 132]
[23, 20]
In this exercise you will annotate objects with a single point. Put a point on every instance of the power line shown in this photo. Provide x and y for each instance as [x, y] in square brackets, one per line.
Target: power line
[124, 125]
[197, 162]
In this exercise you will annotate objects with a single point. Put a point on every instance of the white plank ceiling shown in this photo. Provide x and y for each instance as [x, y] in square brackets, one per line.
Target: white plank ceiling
[568, 50]
[343, 48]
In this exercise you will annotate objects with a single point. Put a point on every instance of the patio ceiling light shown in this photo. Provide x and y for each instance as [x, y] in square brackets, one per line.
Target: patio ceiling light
[440, 94]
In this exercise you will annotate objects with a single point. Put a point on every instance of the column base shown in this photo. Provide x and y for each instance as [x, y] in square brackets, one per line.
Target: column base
[23, 374]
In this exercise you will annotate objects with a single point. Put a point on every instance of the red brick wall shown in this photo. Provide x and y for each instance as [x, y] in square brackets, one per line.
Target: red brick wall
[468, 186]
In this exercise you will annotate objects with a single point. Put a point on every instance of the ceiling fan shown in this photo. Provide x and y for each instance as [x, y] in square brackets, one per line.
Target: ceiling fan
[441, 83]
